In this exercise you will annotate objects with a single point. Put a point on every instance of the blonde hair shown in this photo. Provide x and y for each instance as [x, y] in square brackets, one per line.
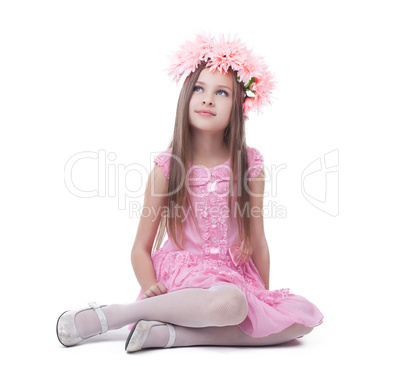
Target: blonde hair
[234, 139]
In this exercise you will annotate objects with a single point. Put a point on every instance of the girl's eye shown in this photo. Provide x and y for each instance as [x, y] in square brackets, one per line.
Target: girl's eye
[223, 92]
[199, 88]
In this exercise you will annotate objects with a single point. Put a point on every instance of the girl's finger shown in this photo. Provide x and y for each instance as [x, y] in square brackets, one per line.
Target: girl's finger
[149, 293]
[162, 287]
[156, 290]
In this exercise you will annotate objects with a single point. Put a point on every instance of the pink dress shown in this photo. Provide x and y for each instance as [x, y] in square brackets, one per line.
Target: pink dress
[211, 260]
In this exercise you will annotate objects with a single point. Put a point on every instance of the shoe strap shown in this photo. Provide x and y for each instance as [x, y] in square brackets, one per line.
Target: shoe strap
[101, 316]
[172, 335]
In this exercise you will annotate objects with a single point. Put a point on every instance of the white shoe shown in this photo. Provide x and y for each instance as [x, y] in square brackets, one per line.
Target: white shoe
[66, 330]
[140, 332]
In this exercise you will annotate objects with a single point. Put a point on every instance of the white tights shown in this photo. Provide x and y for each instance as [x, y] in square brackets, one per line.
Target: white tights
[220, 336]
[201, 317]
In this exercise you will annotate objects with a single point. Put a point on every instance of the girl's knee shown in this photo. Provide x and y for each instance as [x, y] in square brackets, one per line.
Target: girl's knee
[230, 306]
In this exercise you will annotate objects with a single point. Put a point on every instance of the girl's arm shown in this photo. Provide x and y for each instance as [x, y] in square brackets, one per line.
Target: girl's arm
[148, 227]
[260, 254]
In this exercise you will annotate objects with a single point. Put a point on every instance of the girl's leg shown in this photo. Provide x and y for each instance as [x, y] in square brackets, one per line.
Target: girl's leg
[219, 306]
[220, 336]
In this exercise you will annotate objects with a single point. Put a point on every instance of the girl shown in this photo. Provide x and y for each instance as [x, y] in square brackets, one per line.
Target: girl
[209, 283]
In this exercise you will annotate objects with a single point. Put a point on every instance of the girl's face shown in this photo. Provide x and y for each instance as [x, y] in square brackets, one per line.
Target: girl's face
[213, 92]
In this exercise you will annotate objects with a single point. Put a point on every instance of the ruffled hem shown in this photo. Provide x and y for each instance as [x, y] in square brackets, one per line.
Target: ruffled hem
[270, 311]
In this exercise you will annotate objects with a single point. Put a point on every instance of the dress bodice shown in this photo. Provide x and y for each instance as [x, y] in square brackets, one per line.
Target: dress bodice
[208, 190]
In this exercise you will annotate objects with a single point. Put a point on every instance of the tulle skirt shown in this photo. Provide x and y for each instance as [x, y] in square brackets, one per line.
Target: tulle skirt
[270, 311]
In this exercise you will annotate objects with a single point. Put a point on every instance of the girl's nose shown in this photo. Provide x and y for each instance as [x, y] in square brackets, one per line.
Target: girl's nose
[207, 101]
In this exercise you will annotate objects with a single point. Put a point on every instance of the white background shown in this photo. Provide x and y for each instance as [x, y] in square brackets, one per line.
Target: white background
[88, 76]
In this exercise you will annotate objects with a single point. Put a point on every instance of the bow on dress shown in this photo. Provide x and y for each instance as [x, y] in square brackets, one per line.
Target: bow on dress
[235, 254]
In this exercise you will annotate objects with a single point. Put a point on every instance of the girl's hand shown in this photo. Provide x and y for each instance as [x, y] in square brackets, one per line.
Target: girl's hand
[155, 290]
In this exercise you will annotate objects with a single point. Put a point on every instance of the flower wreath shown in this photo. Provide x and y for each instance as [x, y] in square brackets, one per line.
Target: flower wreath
[221, 54]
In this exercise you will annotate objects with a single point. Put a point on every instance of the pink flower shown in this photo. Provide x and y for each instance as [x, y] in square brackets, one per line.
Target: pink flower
[248, 105]
[222, 54]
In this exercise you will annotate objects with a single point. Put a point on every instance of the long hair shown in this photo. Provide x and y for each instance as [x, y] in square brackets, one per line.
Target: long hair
[234, 139]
